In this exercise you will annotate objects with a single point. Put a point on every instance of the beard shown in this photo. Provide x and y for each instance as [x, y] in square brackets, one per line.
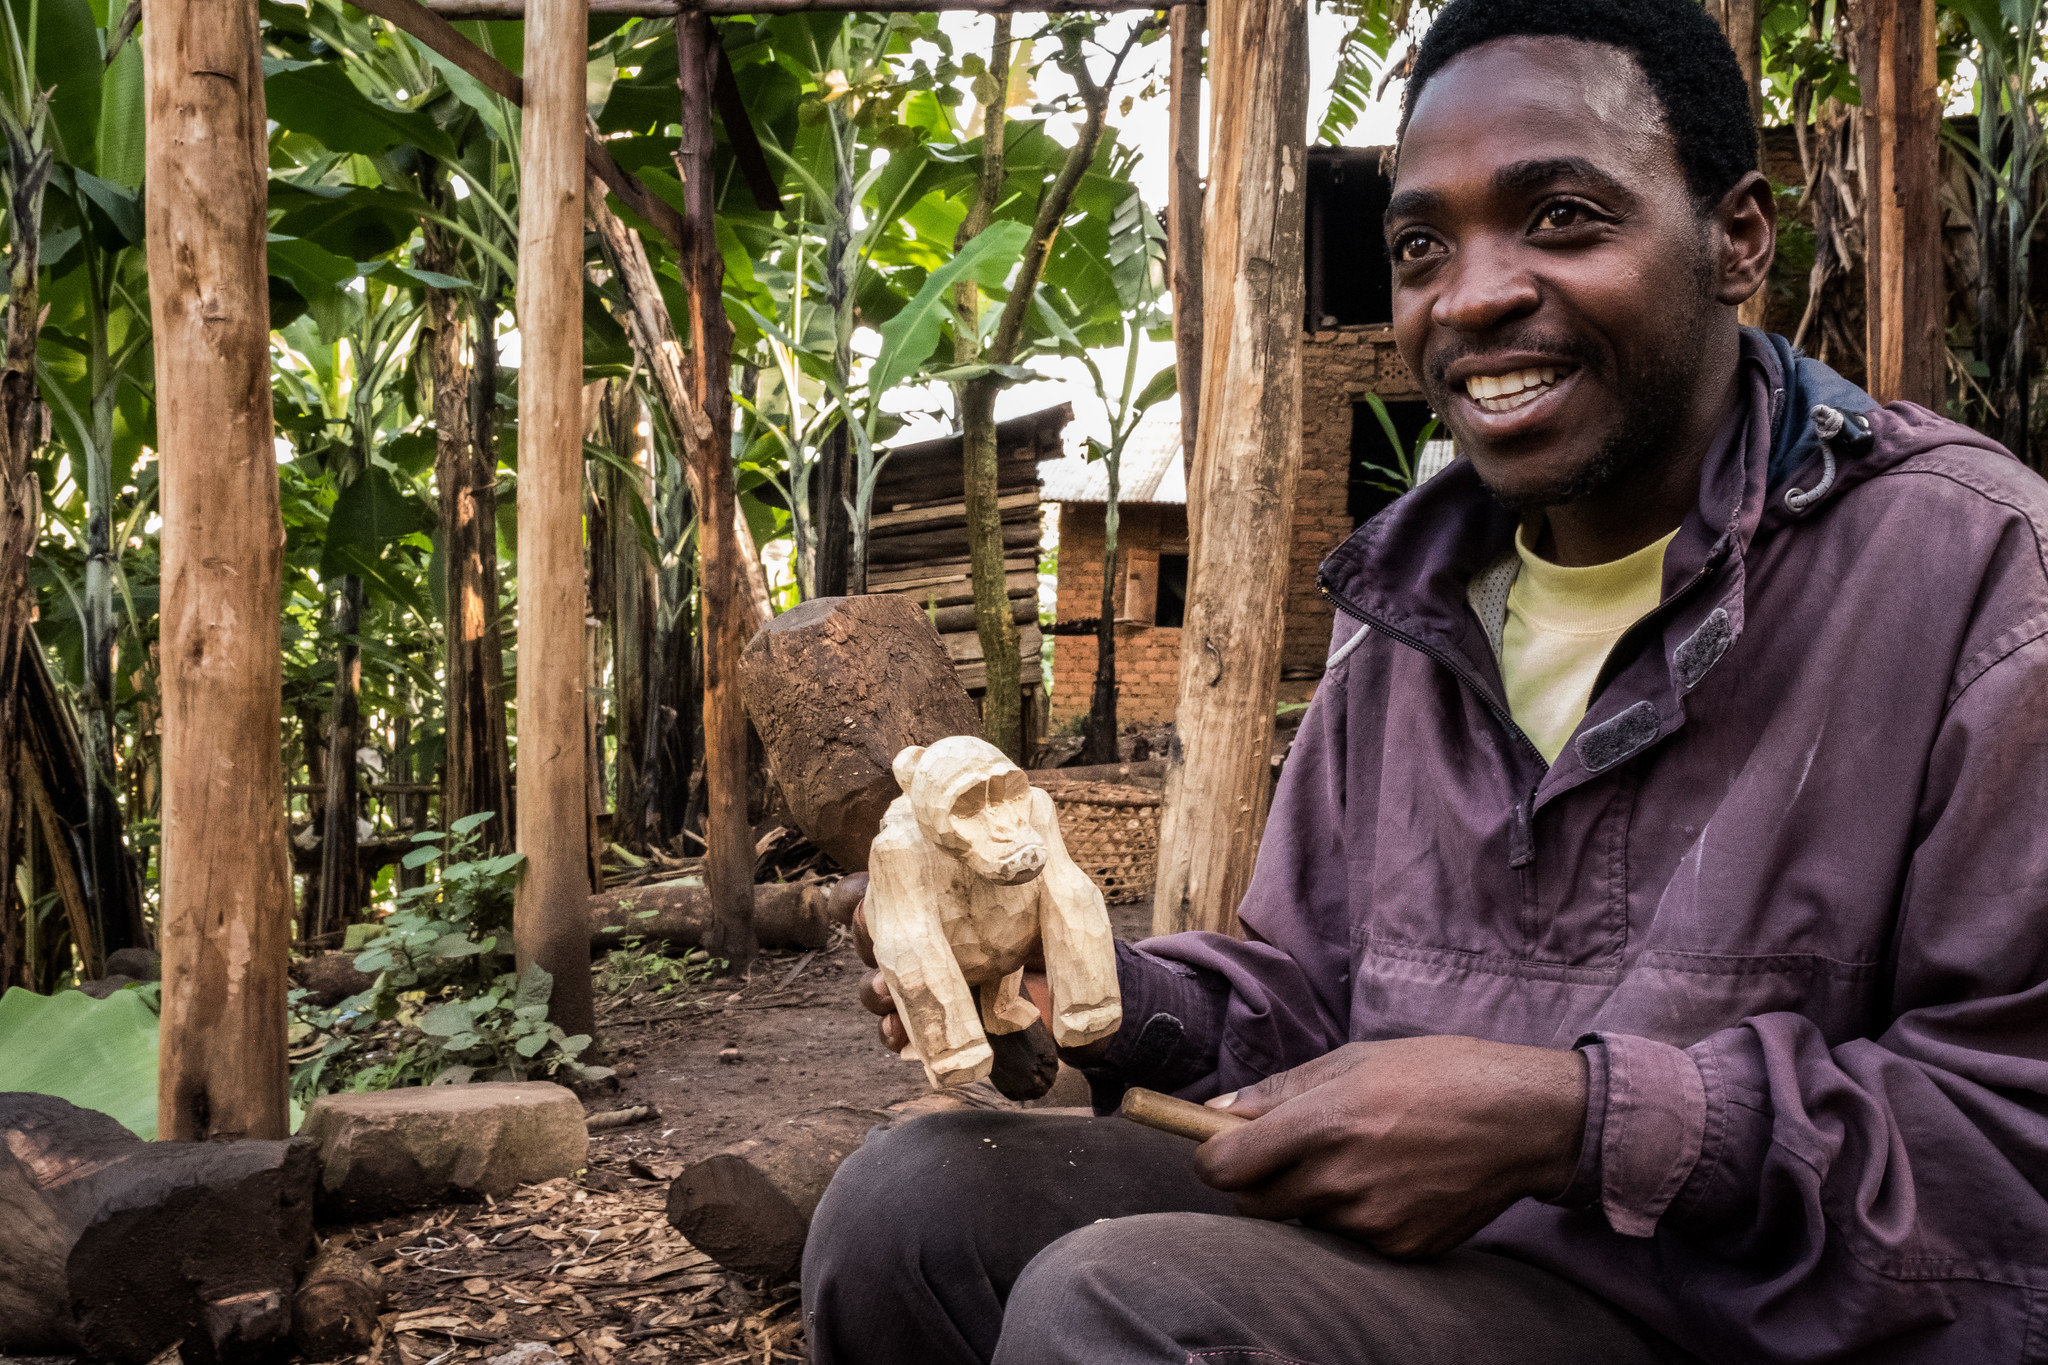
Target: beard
[1655, 385]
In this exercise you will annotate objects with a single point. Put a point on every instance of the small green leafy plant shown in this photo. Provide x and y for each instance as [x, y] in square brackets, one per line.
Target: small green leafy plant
[445, 1007]
[636, 966]
[1400, 476]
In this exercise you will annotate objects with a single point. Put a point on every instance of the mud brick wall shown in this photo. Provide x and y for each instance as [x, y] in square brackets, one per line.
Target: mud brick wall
[1338, 368]
[1147, 657]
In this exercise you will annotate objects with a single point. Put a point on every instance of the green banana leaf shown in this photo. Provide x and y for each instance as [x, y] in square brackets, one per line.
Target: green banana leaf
[98, 1054]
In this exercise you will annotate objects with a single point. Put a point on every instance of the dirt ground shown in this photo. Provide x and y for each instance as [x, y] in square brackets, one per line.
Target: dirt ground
[587, 1268]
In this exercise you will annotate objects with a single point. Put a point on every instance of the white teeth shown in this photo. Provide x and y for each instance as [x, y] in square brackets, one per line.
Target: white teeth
[1505, 392]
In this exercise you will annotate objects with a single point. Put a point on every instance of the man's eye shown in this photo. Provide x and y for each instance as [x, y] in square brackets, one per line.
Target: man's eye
[1412, 246]
[1563, 216]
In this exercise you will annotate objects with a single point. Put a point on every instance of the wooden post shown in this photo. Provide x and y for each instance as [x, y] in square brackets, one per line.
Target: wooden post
[729, 855]
[1184, 214]
[1904, 303]
[226, 884]
[551, 923]
[1738, 20]
[1241, 498]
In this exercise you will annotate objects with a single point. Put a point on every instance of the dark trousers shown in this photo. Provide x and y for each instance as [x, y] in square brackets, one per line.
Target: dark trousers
[1027, 1239]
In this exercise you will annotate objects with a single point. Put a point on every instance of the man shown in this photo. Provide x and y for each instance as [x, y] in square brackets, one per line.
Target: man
[1646, 956]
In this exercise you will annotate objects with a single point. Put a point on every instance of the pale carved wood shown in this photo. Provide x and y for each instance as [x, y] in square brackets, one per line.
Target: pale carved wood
[969, 881]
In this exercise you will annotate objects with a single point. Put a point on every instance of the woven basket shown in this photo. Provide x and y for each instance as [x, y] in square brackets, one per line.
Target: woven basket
[1112, 834]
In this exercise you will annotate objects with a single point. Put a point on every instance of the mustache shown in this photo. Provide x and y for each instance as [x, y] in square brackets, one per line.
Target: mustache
[1580, 353]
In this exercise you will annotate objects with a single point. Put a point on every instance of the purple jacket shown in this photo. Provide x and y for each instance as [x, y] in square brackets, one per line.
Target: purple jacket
[1787, 886]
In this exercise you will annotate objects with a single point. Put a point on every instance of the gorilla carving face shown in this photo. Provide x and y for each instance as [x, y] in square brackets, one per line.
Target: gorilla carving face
[975, 804]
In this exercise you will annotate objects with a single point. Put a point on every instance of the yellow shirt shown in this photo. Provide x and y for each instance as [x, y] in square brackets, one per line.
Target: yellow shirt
[1561, 624]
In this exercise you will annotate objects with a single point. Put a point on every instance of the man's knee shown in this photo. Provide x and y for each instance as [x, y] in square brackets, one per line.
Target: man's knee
[1112, 1291]
[906, 1186]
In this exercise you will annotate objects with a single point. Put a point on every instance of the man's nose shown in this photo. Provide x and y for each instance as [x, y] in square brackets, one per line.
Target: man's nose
[1482, 286]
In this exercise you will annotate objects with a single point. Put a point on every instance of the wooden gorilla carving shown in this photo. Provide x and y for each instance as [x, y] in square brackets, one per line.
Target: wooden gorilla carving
[968, 882]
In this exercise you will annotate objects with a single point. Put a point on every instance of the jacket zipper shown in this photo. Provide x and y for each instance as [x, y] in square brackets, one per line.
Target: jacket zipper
[1499, 711]
[1522, 844]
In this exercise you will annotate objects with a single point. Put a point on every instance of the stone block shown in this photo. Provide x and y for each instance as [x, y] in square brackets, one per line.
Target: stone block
[391, 1150]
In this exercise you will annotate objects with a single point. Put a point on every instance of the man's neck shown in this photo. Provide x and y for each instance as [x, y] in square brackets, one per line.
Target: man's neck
[1646, 503]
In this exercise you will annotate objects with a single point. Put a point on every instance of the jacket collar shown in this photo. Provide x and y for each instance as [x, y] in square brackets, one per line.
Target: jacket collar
[1405, 573]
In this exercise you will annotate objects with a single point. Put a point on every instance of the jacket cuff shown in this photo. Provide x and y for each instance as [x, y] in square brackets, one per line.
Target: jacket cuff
[1171, 1032]
[1652, 1123]
[1584, 1190]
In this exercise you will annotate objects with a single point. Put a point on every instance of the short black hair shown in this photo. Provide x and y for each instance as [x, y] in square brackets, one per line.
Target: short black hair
[1691, 69]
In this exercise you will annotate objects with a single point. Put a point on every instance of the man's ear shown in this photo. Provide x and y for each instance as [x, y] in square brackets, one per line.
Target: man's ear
[905, 765]
[1747, 238]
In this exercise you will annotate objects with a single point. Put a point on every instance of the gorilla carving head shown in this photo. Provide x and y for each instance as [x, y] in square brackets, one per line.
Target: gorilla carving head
[976, 804]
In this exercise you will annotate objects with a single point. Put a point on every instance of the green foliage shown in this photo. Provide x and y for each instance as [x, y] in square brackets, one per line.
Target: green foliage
[637, 965]
[98, 1054]
[1398, 477]
[445, 1007]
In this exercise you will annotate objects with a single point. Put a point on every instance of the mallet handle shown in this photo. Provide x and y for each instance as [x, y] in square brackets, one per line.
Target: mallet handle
[1196, 1122]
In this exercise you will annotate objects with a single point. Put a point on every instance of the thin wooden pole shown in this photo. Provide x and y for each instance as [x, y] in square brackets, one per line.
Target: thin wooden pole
[226, 886]
[729, 852]
[1903, 288]
[1184, 213]
[1247, 449]
[551, 923]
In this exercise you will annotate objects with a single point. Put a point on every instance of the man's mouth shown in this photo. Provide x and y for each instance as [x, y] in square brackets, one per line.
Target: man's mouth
[1507, 392]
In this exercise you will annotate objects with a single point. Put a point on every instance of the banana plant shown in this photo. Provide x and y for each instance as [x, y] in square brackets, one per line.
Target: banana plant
[2005, 162]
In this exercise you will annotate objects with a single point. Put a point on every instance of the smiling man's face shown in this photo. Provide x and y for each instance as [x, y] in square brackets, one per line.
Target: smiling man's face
[1555, 281]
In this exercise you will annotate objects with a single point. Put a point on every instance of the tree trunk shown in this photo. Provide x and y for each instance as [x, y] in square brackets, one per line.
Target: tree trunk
[56, 782]
[226, 887]
[21, 435]
[340, 883]
[838, 687]
[1241, 500]
[678, 914]
[1184, 216]
[632, 579]
[729, 855]
[1101, 745]
[1002, 701]
[476, 768]
[837, 478]
[117, 1249]
[550, 924]
[1905, 295]
[334, 1312]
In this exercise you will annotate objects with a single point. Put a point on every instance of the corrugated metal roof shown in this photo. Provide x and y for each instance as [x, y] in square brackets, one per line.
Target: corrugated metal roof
[1150, 471]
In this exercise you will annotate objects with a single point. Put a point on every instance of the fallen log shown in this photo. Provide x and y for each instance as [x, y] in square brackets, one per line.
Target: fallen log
[335, 1311]
[786, 915]
[115, 1249]
[837, 687]
[749, 1206]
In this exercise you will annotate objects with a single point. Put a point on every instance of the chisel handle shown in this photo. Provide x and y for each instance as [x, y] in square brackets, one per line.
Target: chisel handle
[1196, 1122]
